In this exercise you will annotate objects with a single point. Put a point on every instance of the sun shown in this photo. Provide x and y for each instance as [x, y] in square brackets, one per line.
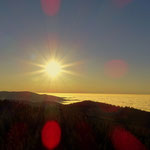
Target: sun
[53, 68]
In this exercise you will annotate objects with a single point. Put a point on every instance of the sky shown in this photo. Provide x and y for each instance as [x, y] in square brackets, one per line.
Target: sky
[105, 43]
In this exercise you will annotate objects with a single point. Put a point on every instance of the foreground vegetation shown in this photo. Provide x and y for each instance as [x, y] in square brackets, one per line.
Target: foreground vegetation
[86, 125]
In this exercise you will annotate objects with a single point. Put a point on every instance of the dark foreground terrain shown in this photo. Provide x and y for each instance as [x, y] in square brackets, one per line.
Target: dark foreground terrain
[87, 125]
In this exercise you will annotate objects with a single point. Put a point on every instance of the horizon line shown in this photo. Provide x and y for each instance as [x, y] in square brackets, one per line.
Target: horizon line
[74, 92]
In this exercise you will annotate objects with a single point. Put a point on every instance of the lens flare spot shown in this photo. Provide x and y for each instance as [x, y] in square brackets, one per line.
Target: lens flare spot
[51, 134]
[121, 3]
[51, 7]
[124, 140]
[116, 68]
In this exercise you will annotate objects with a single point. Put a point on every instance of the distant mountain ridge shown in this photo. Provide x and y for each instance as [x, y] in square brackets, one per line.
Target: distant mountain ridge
[84, 125]
[28, 96]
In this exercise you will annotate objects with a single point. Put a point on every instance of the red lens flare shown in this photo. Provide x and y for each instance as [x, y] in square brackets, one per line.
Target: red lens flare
[116, 68]
[51, 134]
[124, 140]
[51, 7]
[121, 3]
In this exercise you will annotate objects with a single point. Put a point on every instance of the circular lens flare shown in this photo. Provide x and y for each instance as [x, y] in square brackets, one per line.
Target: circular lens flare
[116, 68]
[121, 3]
[51, 7]
[53, 68]
[51, 134]
[124, 140]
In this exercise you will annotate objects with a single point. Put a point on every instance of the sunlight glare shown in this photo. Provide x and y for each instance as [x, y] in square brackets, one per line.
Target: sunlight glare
[53, 68]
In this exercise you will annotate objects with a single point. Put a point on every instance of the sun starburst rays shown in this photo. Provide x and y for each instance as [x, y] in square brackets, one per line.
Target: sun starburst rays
[54, 68]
